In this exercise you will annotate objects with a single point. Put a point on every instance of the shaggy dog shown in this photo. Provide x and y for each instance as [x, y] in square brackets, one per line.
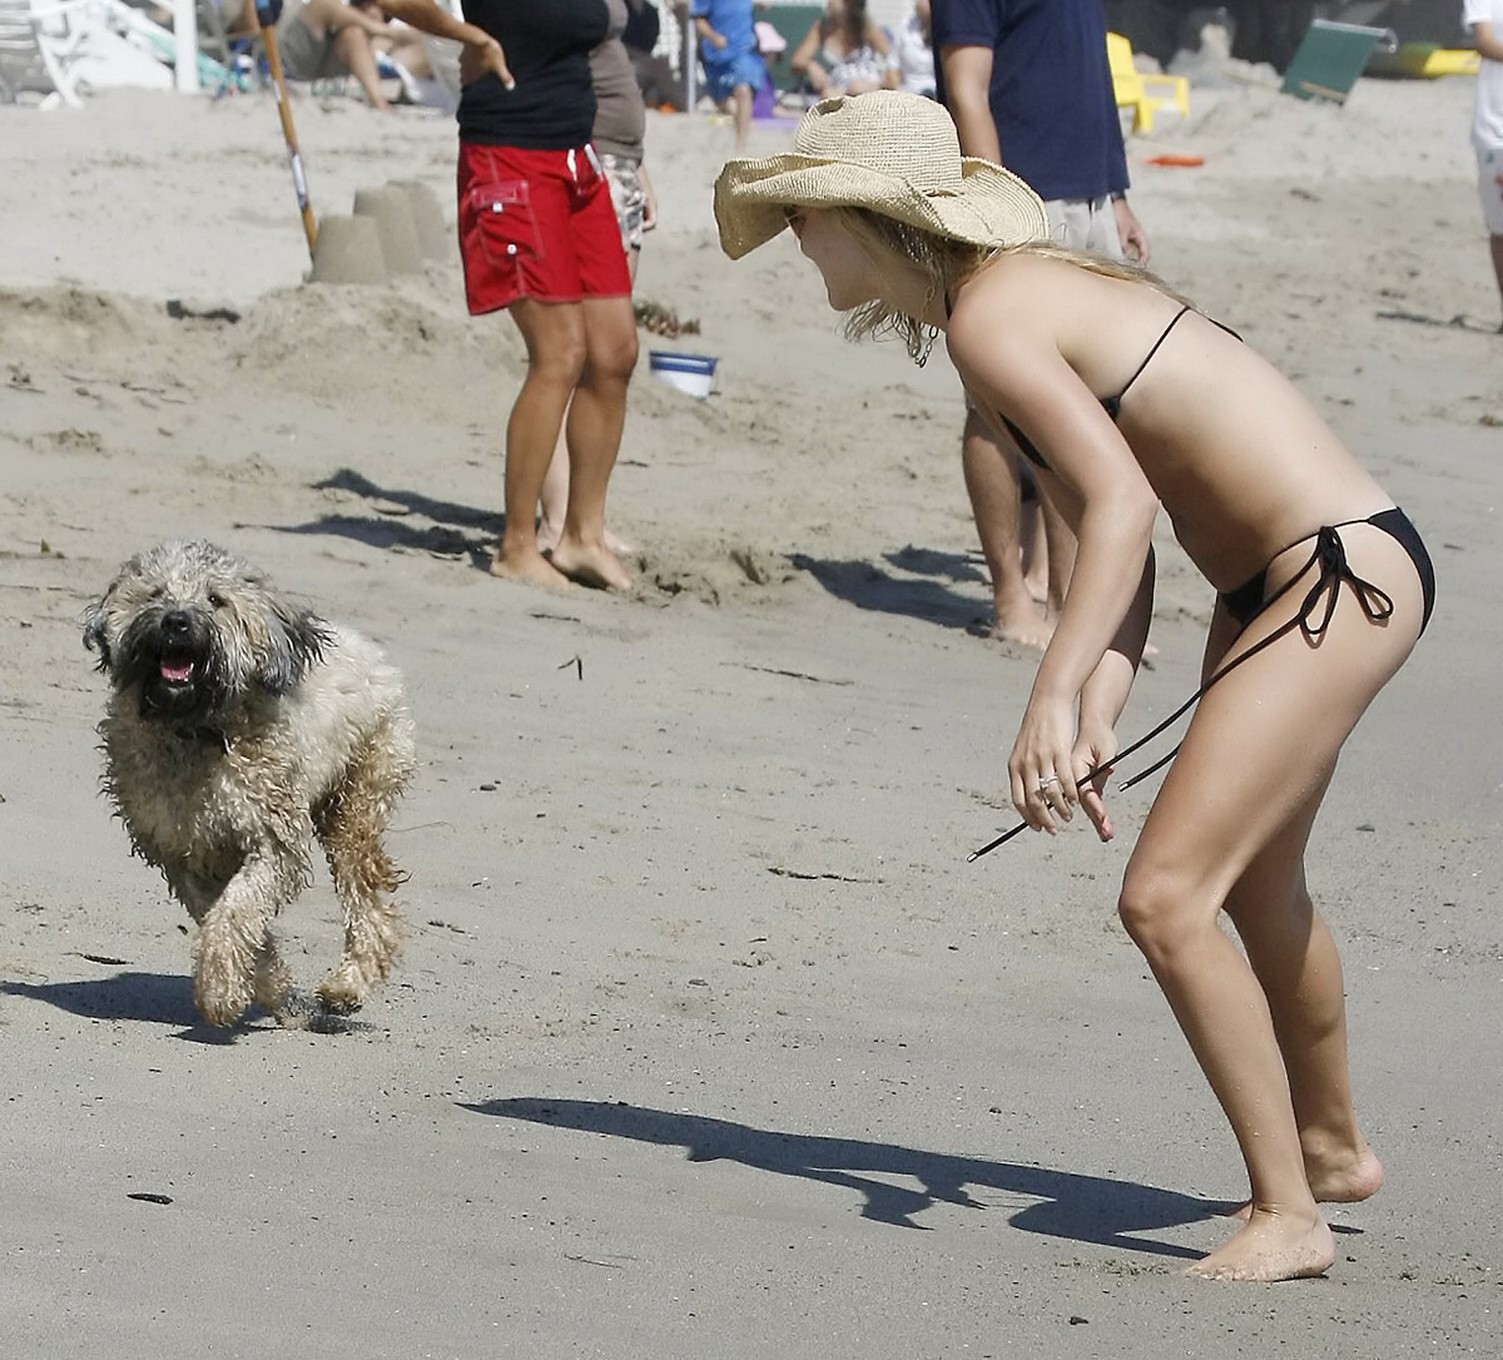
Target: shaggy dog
[240, 725]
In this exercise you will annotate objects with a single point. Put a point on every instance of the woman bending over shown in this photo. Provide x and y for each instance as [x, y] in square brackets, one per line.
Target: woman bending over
[1127, 399]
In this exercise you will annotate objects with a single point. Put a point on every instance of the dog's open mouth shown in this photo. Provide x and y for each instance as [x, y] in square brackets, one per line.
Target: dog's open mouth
[176, 670]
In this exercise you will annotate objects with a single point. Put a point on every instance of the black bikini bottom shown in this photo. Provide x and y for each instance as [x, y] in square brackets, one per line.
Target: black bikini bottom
[1246, 603]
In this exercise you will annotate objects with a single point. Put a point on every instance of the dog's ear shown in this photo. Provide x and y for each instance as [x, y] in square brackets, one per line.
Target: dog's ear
[296, 637]
[94, 637]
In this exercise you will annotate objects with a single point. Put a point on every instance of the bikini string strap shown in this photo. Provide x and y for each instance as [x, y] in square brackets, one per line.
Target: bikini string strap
[1312, 619]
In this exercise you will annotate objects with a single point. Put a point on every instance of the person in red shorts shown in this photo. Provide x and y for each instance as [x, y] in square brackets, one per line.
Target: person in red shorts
[539, 237]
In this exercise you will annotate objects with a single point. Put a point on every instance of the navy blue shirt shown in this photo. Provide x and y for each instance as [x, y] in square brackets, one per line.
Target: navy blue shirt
[547, 45]
[1051, 90]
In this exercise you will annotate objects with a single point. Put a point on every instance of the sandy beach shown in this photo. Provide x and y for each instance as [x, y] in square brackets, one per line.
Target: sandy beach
[706, 1041]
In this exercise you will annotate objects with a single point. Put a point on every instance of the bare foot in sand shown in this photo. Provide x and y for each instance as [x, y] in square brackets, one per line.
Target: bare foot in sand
[590, 566]
[549, 534]
[1020, 623]
[1337, 1176]
[530, 568]
[1272, 1246]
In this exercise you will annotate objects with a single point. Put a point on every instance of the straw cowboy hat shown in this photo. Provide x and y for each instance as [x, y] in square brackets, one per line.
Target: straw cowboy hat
[897, 154]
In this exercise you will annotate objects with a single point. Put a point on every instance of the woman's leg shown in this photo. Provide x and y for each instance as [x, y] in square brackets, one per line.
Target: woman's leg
[597, 414]
[354, 48]
[1294, 957]
[1257, 757]
[992, 483]
[554, 333]
[554, 501]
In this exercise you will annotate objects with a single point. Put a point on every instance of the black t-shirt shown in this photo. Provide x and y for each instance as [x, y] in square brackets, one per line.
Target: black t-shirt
[547, 45]
[1051, 90]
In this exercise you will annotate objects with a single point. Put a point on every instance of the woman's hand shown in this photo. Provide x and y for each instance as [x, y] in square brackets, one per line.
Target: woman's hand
[1042, 767]
[1095, 749]
[481, 57]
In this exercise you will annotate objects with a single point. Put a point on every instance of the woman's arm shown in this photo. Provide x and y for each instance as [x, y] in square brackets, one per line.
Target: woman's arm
[802, 62]
[649, 199]
[1104, 696]
[876, 39]
[482, 52]
[708, 34]
[1017, 368]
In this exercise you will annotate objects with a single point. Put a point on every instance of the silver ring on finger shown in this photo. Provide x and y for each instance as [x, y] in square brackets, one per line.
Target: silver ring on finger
[1043, 784]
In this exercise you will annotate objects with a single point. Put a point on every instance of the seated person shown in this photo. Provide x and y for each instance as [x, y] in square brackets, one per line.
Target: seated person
[845, 51]
[660, 87]
[913, 50]
[327, 39]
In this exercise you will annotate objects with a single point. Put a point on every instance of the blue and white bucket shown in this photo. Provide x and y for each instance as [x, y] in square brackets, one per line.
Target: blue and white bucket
[691, 373]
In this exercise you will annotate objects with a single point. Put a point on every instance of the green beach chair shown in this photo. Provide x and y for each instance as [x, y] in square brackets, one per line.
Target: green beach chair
[1331, 56]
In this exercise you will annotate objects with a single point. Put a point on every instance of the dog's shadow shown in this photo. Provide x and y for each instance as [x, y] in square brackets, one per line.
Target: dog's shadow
[1069, 1205]
[147, 998]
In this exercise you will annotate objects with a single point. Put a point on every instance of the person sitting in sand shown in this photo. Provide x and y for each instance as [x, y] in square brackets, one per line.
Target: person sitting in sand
[1126, 399]
[913, 51]
[329, 39]
[845, 51]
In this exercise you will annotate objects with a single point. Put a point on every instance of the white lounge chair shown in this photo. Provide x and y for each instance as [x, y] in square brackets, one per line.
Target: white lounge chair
[39, 41]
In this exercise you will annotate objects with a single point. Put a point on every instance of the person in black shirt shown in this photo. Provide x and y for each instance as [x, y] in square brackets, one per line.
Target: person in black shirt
[539, 238]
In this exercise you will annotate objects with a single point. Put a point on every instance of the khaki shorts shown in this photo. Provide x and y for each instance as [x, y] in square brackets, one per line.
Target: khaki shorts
[1490, 187]
[628, 197]
[305, 57]
[1085, 224]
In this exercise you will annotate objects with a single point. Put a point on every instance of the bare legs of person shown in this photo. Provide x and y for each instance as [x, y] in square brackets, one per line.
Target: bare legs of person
[741, 113]
[553, 503]
[580, 356]
[356, 51]
[1495, 243]
[1228, 830]
[597, 414]
[991, 479]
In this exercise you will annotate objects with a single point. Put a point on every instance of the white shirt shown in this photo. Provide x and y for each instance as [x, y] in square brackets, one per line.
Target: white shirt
[915, 58]
[1487, 126]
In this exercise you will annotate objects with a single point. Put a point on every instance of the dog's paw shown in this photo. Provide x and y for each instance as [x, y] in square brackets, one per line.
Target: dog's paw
[343, 991]
[220, 1005]
[273, 983]
[223, 982]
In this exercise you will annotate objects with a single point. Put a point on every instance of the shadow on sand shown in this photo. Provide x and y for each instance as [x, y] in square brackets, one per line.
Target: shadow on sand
[1074, 1207]
[922, 585]
[150, 998]
[444, 528]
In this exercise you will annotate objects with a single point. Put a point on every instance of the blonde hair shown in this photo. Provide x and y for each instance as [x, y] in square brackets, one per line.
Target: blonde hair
[946, 265]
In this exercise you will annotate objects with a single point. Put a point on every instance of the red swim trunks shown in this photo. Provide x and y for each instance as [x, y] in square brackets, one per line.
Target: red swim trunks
[536, 224]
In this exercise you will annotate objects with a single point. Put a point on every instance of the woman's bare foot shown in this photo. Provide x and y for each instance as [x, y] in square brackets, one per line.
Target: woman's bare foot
[1021, 624]
[550, 533]
[530, 568]
[1337, 1177]
[1272, 1246]
[590, 566]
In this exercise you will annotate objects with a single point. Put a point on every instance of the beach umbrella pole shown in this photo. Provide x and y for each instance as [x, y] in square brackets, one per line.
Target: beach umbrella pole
[267, 21]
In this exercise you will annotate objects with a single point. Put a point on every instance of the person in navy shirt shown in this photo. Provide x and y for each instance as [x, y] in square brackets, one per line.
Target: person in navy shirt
[1029, 87]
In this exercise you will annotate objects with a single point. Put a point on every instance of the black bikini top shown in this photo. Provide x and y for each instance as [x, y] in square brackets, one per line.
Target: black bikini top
[1111, 405]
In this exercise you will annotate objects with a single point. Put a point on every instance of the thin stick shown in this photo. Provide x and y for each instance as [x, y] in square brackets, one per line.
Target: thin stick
[267, 24]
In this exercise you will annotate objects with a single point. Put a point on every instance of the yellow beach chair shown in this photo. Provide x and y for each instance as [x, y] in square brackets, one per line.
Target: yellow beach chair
[1144, 94]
